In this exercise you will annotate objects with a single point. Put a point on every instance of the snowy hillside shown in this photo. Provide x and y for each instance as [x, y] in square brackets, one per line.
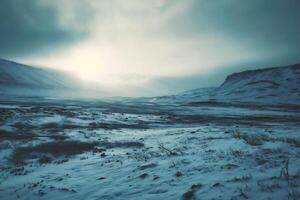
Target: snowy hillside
[269, 85]
[281, 84]
[15, 74]
[23, 80]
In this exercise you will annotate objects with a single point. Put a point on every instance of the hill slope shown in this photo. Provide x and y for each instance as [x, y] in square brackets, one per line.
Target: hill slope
[15, 74]
[276, 85]
[22, 80]
[270, 85]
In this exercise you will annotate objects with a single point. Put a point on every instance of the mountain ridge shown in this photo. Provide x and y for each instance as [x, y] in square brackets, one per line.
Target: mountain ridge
[16, 74]
[273, 85]
[20, 80]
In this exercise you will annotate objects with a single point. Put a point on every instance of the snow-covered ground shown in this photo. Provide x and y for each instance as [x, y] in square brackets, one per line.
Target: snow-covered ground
[240, 140]
[55, 149]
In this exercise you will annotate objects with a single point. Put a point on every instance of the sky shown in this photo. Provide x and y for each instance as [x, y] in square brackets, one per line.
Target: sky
[157, 47]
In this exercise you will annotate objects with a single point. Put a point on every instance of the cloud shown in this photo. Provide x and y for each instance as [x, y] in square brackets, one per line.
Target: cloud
[268, 27]
[134, 38]
[31, 26]
[124, 44]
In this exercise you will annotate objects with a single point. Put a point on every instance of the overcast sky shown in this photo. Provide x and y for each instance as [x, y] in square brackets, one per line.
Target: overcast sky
[151, 46]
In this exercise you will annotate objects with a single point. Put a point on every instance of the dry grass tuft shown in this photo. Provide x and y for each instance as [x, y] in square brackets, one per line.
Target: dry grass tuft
[55, 149]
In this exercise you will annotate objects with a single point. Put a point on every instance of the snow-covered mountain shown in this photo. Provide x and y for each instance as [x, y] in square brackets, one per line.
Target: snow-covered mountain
[15, 74]
[23, 80]
[281, 85]
[270, 85]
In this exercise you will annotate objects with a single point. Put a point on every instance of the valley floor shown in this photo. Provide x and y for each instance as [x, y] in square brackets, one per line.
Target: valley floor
[96, 150]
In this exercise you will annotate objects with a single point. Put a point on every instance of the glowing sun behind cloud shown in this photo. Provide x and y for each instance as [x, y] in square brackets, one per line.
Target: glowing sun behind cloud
[129, 45]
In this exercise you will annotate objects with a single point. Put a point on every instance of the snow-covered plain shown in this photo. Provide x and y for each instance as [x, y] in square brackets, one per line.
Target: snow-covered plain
[53, 149]
[240, 140]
